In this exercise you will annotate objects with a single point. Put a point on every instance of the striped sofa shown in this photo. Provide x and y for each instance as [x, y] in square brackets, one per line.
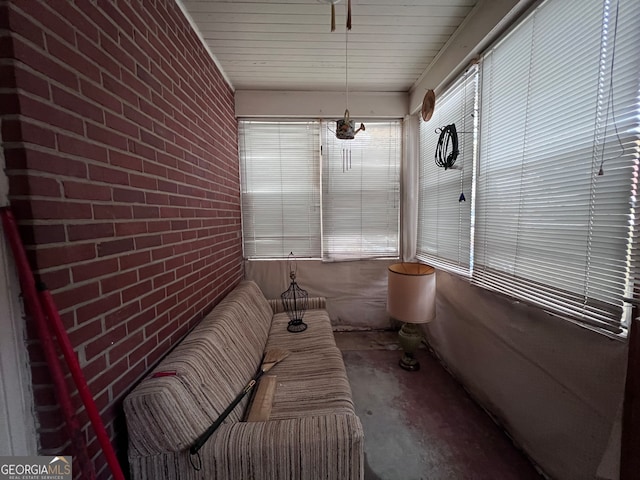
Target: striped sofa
[312, 431]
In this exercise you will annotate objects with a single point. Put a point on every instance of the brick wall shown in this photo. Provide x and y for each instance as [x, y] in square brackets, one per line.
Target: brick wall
[121, 151]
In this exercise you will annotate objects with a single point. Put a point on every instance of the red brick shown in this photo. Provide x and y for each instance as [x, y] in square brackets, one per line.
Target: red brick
[160, 253]
[152, 198]
[122, 125]
[70, 57]
[52, 439]
[158, 226]
[151, 110]
[122, 349]
[24, 27]
[55, 256]
[97, 308]
[50, 209]
[128, 195]
[77, 104]
[130, 228]
[164, 279]
[86, 191]
[16, 131]
[102, 212]
[122, 314]
[46, 162]
[55, 279]
[148, 241]
[90, 231]
[94, 269]
[151, 299]
[115, 246]
[165, 186]
[101, 96]
[125, 383]
[141, 350]
[141, 150]
[125, 160]
[32, 185]
[137, 117]
[136, 291]
[140, 211]
[44, 64]
[85, 332]
[75, 296]
[173, 237]
[140, 320]
[81, 148]
[108, 175]
[106, 136]
[92, 51]
[98, 18]
[117, 52]
[150, 270]
[42, 234]
[103, 343]
[44, 112]
[141, 181]
[118, 282]
[134, 260]
[31, 83]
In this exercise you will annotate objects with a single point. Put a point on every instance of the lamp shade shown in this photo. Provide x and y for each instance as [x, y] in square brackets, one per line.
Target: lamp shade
[411, 296]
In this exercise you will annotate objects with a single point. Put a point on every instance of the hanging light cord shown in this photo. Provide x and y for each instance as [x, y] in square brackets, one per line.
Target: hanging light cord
[346, 65]
[447, 148]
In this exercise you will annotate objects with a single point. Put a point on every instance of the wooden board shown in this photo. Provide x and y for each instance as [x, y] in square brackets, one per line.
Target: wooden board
[262, 402]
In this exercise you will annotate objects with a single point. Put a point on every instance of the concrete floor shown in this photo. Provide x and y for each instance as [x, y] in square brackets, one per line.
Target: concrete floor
[422, 425]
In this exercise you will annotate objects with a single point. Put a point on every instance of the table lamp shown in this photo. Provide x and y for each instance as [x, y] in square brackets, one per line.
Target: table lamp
[411, 299]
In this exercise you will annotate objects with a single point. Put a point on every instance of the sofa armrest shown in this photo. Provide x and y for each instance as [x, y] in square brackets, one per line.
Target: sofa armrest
[329, 447]
[315, 303]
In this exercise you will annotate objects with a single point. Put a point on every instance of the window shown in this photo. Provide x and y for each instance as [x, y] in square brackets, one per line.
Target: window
[559, 136]
[342, 204]
[280, 188]
[445, 196]
[554, 219]
[361, 192]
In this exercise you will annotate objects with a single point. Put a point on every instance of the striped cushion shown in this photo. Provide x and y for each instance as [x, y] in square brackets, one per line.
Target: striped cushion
[310, 448]
[312, 431]
[169, 413]
[318, 333]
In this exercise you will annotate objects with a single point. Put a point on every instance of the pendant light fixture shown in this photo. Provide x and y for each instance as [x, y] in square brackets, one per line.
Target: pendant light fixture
[345, 127]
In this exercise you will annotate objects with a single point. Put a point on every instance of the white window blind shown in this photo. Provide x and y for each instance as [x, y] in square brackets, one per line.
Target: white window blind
[559, 102]
[280, 182]
[445, 196]
[361, 192]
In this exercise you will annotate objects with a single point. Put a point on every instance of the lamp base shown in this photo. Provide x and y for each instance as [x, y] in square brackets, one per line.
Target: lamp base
[296, 326]
[409, 363]
[410, 337]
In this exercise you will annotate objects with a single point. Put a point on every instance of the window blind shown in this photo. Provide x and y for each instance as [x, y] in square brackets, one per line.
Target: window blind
[557, 178]
[361, 192]
[280, 182]
[444, 217]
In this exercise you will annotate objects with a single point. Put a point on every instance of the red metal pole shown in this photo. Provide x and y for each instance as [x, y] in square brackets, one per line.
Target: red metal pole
[32, 303]
[81, 384]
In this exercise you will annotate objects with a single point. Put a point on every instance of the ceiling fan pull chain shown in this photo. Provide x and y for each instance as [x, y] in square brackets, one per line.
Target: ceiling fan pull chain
[349, 15]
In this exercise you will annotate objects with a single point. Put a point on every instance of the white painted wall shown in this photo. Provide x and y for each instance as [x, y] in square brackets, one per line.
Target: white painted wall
[556, 387]
[323, 105]
[17, 423]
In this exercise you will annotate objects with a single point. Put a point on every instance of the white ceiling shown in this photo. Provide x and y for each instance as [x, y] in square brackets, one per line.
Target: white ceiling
[288, 45]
